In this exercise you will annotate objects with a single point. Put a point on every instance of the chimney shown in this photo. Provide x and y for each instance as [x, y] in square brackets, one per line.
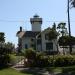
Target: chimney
[20, 29]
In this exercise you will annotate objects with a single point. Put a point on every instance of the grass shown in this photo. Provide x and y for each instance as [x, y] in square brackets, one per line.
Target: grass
[62, 70]
[15, 59]
[57, 70]
[10, 71]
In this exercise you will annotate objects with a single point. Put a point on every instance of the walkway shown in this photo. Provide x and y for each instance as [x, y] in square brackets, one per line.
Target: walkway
[34, 71]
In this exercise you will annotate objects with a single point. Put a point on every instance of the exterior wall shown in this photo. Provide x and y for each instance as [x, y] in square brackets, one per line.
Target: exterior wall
[39, 47]
[26, 40]
[36, 27]
[44, 41]
[36, 23]
[66, 50]
[55, 44]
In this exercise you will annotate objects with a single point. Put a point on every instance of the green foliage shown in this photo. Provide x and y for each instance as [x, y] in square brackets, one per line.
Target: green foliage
[4, 57]
[61, 25]
[66, 41]
[35, 59]
[4, 60]
[13, 59]
[66, 60]
[5, 50]
[53, 34]
[54, 26]
[72, 3]
[29, 53]
[10, 71]
[2, 38]
[10, 47]
[62, 28]
[39, 59]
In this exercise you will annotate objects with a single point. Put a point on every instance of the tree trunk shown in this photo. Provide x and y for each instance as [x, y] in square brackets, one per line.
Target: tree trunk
[70, 47]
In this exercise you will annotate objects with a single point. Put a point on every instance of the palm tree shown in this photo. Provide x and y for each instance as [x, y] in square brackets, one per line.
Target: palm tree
[69, 1]
[72, 2]
[69, 19]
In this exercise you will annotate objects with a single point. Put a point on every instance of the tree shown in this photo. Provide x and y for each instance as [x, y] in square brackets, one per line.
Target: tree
[63, 31]
[53, 34]
[69, 17]
[2, 38]
[54, 26]
[4, 57]
[66, 40]
[72, 3]
[10, 47]
[62, 28]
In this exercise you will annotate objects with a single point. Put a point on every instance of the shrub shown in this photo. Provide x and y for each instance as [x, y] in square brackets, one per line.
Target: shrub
[41, 60]
[13, 59]
[29, 53]
[4, 57]
[4, 60]
[66, 60]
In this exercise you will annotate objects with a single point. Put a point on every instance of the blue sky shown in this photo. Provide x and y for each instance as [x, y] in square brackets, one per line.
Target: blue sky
[16, 13]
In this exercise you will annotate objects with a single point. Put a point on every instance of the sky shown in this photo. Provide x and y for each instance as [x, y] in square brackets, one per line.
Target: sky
[16, 13]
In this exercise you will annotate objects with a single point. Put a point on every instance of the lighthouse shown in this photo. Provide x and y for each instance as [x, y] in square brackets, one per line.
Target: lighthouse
[36, 23]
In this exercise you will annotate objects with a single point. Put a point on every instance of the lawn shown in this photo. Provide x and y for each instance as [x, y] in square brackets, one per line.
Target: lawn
[15, 58]
[10, 71]
[57, 70]
[62, 70]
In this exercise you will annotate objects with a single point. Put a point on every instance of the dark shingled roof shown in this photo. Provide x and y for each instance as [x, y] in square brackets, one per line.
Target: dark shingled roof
[31, 34]
[27, 34]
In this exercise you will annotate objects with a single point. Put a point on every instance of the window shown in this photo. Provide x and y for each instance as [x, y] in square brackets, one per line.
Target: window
[46, 36]
[38, 41]
[32, 39]
[26, 46]
[33, 46]
[49, 46]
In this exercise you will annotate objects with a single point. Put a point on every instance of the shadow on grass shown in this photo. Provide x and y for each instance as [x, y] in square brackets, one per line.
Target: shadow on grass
[50, 70]
[67, 71]
[4, 67]
[34, 71]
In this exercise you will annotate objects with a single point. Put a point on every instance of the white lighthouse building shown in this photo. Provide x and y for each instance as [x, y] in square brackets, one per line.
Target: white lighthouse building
[36, 38]
[36, 23]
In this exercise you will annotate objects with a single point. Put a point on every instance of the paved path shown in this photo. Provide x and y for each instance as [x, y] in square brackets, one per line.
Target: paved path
[34, 71]
[19, 65]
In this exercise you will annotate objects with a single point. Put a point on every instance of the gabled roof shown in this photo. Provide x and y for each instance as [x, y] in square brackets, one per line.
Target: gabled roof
[31, 34]
[27, 34]
[20, 34]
